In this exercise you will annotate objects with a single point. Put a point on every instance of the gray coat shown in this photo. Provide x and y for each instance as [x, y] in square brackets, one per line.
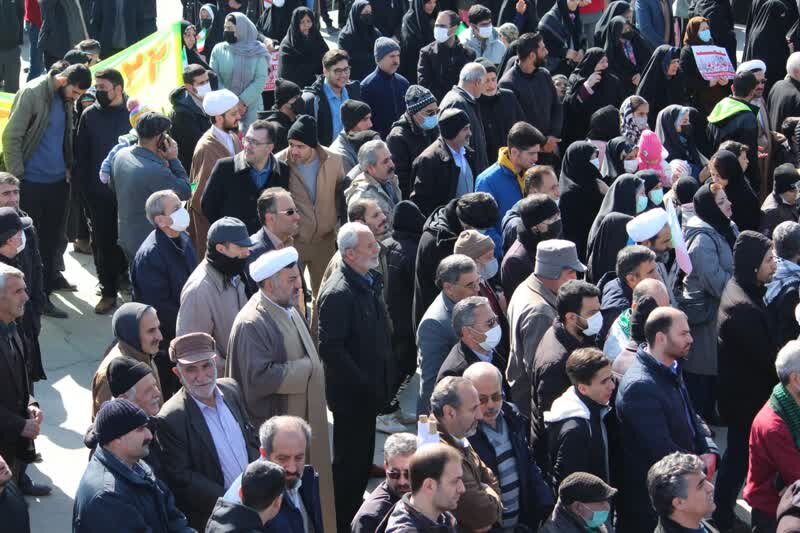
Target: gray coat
[341, 145]
[492, 48]
[138, 173]
[435, 339]
[712, 267]
[458, 98]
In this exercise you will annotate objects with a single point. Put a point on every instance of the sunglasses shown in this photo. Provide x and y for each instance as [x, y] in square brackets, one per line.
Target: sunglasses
[397, 474]
[289, 212]
[496, 397]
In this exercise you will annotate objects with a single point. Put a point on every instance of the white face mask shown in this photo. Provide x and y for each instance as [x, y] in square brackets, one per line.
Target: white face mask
[492, 338]
[278, 3]
[556, 200]
[490, 269]
[485, 31]
[594, 324]
[631, 165]
[203, 90]
[180, 220]
[640, 121]
[22, 243]
[441, 34]
[596, 163]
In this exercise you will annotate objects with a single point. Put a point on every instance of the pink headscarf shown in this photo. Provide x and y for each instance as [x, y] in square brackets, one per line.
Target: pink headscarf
[651, 156]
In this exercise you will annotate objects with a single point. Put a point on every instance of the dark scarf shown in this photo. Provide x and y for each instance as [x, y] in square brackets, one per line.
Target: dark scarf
[705, 207]
[569, 342]
[229, 267]
[785, 407]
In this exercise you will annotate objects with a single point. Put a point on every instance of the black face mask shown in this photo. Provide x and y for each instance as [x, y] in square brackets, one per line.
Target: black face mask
[103, 99]
[205, 23]
[229, 266]
[298, 106]
[229, 36]
[553, 231]
[627, 35]
[366, 18]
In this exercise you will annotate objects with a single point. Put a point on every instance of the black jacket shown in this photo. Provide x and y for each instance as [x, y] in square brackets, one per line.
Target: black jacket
[406, 142]
[405, 519]
[98, 132]
[458, 98]
[461, 357]
[289, 519]
[375, 510]
[230, 517]
[665, 525]
[14, 510]
[538, 98]
[355, 342]
[230, 191]
[189, 123]
[741, 127]
[11, 15]
[616, 299]
[15, 397]
[774, 211]
[535, 496]
[439, 66]
[104, 15]
[316, 105]
[436, 176]
[499, 113]
[282, 123]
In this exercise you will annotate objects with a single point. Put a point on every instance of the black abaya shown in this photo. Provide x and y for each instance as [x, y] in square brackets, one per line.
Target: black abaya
[720, 21]
[744, 202]
[618, 62]
[657, 87]
[678, 145]
[275, 21]
[561, 31]
[415, 32]
[620, 198]
[618, 8]
[580, 196]
[767, 26]
[300, 58]
[358, 39]
[612, 236]
[613, 164]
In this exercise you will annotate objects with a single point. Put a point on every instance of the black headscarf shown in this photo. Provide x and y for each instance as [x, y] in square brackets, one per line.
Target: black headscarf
[618, 61]
[274, 22]
[618, 8]
[561, 33]
[615, 151]
[767, 26]
[620, 198]
[580, 197]
[359, 39]
[301, 55]
[659, 89]
[748, 253]
[678, 145]
[745, 205]
[125, 323]
[192, 56]
[685, 188]
[416, 31]
[604, 124]
[610, 238]
[577, 108]
[707, 210]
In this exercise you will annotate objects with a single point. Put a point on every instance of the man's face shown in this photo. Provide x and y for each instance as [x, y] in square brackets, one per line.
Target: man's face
[14, 297]
[467, 285]
[485, 319]
[257, 146]
[767, 267]
[229, 120]
[790, 196]
[490, 85]
[148, 397]
[601, 388]
[525, 159]
[106, 86]
[289, 452]
[590, 306]
[390, 62]
[200, 378]
[233, 250]
[150, 332]
[699, 501]
[490, 397]
[646, 269]
[171, 204]
[5, 473]
[10, 247]
[285, 222]
[762, 82]
[397, 474]
[463, 422]
[299, 152]
[449, 488]
[383, 170]
[679, 338]
[549, 186]
[364, 256]
[9, 196]
[363, 125]
[135, 445]
[338, 75]
[375, 220]
[286, 287]
[71, 93]
[443, 21]
[464, 136]
[663, 241]
[197, 82]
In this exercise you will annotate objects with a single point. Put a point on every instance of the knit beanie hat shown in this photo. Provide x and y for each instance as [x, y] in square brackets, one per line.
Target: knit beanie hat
[417, 97]
[385, 46]
[353, 112]
[125, 372]
[785, 178]
[452, 121]
[585, 488]
[473, 244]
[285, 90]
[136, 110]
[116, 418]
[304, 130]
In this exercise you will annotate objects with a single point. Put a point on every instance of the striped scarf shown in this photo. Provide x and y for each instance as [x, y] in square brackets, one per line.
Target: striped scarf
[786, 407]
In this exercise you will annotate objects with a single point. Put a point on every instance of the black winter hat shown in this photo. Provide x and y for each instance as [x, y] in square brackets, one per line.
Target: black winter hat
[785, 178]
[304, 130]
[125, 372]
[353, 112]
[748, 253]
[285, 90]
[11, 223]
[452, 121]
[116, 418]
[585, 488]
[151, 124]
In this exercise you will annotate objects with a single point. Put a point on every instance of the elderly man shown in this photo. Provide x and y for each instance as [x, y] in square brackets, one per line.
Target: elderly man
[215, 292]
[457, 278]
[284, 441]
[681, 493]
[205, 410]
[138, 171]
[161, 268]
[584, 504]
[456, 406]
[397, 452]
[218, 142]
[501, 441]
[360, 375]
[783, 292]
[137, 331]
[377, 180]
[384, 89]
[651, 230]
[236, 183]
[262, 497]
[118, 487]
[464, 96]
[784, 96]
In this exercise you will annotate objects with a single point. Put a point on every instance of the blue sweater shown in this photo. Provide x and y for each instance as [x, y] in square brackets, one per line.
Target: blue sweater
[386, 96]
[502, 184]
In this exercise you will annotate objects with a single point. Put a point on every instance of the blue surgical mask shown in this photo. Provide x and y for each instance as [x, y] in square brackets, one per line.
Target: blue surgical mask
[641, 204]
[598, 518]
[705, 36]
[657, 195]
[428, 123]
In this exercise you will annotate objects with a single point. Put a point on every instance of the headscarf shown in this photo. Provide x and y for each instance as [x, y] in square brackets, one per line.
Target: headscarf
[420, 23]
[192, 56]
[577, 171]
[707, 210]
[745, 205]
[125, 323]
[748, 253]
[580, 196]
[245, 47]
[618, 8]
[558, 22]
[685, 188]
[613, 165]
[656, 87]
[651, 180]
[604, 124]
[678, 145]
[356, 29]
[651, 155]
[298, 47]
[610, 237]
[275, 21]
[692, 37]
[620, 198]
[630, 130]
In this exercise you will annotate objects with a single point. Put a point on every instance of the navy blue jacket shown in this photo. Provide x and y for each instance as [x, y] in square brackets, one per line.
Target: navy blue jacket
[535, 496]
[386, 96]
[158, 273]
[289, 519]
[656, 418]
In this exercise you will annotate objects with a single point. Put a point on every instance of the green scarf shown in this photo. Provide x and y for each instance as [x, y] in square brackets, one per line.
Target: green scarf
[625, 323]
[786, 407]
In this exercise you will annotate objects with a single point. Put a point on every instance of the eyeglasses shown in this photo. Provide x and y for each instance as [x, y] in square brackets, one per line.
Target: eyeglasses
[496, 397]
[340, 71]
[397, 474]
[255, 142]
[289, 212]
[492, 322]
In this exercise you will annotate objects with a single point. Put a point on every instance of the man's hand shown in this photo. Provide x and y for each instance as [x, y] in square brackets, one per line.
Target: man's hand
[31, 429]
[636, 79]
[550, 146]
[594, 79]
[522, 6]
[710, 460]
[172, 149]
[36, 413]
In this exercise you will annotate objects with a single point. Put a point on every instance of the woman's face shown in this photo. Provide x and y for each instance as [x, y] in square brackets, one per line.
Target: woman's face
[723, 203]
[305, 25]
[703, 27]
[628, 16]
[601, 65]
[715, 176]
[230, 25]
[429, 6]
[367, 10]
[633, 154]
[743, 161]
[642, 111]
[672, 69]
[626, 28]
[190, 37]
[683, 121]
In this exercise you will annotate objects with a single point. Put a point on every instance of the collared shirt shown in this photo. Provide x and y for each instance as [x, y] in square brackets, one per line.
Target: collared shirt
[225, 138]
[282, 308]
[294, 495]
[485, 357]
[227, 436]
[465, 182]
[276, 242]
[260, 177]
[335, 103]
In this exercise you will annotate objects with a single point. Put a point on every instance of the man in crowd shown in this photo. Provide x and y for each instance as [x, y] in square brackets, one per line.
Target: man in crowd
[189, 121]
[621, 333]
[138, 335]
[501, 441]
[324, 98]
[539, 179]
[656, 415]
[634, 263]
[651, 229]
[13, 506]
[464, 96]
[160, 268]
[214, 293]
[783, 292]
[149, 166]
[435, 474]
[221, 140]
[784, 96]
[456, 406]
[207, 410]
[38, 150]
[356, 117]
[457, 277]
[377, 180]
[780, 205]
[397, 453]
[446, 169]
[355, 344]
[385, 89]
[99, 128]
[441, 61]
[287, 107]
[280, 221]
[236, 182]
[261, 494]
[315, 174]
[532, 310]
[584, 504]
[118, 487]
[681, 493]
[482, 38]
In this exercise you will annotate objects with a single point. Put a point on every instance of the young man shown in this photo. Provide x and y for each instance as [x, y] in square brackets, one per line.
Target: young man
[262, 496]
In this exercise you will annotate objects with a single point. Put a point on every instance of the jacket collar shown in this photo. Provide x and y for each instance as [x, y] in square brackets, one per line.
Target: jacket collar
[358, 280]
[120, 469]
[240, 163]
[536, 285]
[652, 364]
[165, 240]
[129, 351]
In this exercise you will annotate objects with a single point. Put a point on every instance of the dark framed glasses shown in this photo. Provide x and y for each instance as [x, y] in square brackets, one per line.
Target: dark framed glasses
[397, 474]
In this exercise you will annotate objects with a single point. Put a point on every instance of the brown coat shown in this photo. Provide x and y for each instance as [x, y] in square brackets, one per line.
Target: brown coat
[101, 392]
[206, 154]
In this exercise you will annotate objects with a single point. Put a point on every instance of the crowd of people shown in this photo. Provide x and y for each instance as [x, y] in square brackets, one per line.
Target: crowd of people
[583, 241]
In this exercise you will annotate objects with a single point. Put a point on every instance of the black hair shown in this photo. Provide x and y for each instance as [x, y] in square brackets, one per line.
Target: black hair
[527, 44]
[112, 75]
[744, 83]
[570, 297]
[78, 76]
[478, 14]
[523, 136]
[192, 72]
[630, 257]
[262, 482]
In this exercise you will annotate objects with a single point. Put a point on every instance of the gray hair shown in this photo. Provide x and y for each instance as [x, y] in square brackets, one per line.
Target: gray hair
[452, 267]
[788, 361]
[368, 153]
[786, 238]
[471, 72]
[464, 312]
[399, 444]
[793, 66]
[347, 238]
[509, 31]
[270, 428]
[666, 480]
[7, 271]
[154, 206]
[8, 179]
[446, 393]
[129, 394]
